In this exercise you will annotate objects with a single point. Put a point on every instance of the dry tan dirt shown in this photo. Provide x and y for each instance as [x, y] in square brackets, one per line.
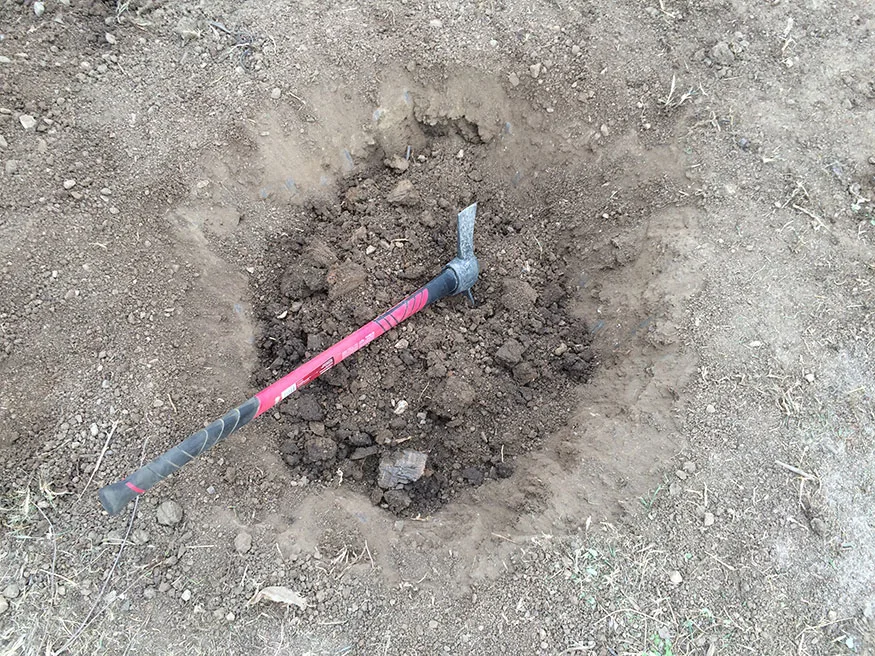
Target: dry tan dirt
[676, 227]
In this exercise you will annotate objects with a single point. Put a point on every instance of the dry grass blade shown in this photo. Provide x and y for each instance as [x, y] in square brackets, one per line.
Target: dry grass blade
[97, 464]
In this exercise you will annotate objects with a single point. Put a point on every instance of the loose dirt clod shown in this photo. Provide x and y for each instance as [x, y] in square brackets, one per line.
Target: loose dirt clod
[403, 193]
[169, 513]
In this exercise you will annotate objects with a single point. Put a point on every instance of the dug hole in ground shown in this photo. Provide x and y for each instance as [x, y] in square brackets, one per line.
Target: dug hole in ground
[652, 432]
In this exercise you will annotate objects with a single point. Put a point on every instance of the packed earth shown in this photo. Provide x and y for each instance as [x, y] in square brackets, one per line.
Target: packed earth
[648, 433]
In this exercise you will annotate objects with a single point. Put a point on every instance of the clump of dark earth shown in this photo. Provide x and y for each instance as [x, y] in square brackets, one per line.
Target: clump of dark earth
[480, 385]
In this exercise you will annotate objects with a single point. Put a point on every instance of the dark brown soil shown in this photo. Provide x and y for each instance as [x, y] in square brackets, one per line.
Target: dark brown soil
[482, 384]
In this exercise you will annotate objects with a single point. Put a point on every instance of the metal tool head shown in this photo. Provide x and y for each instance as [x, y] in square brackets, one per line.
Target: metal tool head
[465, 265]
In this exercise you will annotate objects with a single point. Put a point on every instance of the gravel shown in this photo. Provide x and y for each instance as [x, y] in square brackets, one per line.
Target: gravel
[27, 121]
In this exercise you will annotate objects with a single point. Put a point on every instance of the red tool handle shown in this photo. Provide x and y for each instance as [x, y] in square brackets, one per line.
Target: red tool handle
[116, 496]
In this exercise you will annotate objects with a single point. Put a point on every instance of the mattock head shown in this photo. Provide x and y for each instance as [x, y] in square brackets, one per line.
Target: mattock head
[465, 265]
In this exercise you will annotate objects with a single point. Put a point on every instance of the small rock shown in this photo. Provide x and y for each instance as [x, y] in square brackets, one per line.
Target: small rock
[94, 430]
[575, 50]
[12, 591]
[473, 475]
[708, 520]
[3, 143]
[186, 595]
[510, 354]
[401, 468]
[681, 474]
[397, 500]
[404, 193]
[535, 70]
[110, 38]
[157, 403]
[710, 409]
[306, 407]
[399, 164]
[363, 452]
[518, 295]
[504, 469]
[169, 513]
[11, 166]
[818, 526]
[452, 398]
[39, 8]
[675, 578]
[436, 23]
[360, 439]
[27, 121]
[5, 60]
[4, 605]
[243, 542]
[809, 378]
[163, 587]
[275, 93]
[376, 496]
[320, 449]
[514, 79]
[345, 278]
[722, 54]
[150, 593]
[689, 467]
[140, 536]
[402, 344]
[432, 624]
[524, 373]
[401, 407]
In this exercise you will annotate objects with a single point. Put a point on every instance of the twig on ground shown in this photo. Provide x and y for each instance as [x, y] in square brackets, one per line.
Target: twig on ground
[722, 562]
[92, 615]
[54, 553]
[499, 535]
[812, 215]
[97, 464]
[796, 470]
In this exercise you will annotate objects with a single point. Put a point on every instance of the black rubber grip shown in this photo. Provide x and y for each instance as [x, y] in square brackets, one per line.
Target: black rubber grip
[441, 286]
[116, 496]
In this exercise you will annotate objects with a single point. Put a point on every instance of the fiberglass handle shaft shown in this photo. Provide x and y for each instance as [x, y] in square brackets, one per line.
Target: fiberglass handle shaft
[116, 496]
